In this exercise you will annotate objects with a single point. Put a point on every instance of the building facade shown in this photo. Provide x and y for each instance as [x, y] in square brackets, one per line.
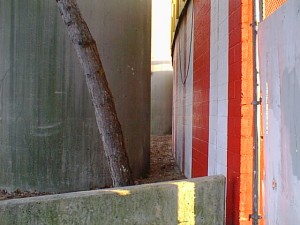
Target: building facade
[215, 124]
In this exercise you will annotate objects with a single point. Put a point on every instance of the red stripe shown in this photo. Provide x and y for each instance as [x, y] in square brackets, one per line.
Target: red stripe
[201, 84]
[240, 114]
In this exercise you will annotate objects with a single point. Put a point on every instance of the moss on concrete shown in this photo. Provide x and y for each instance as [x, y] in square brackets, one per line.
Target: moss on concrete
[194, 201]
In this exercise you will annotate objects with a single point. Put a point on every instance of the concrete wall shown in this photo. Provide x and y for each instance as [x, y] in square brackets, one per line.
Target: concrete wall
[162, 71]
[48, 135]
[161, 100]
[196, 201]
[183, 94]
[279, 51]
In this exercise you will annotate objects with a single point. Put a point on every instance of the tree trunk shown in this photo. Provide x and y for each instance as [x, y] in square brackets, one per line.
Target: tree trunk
[106, 116]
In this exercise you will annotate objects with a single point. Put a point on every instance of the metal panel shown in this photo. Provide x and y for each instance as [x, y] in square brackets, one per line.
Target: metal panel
[279, 52]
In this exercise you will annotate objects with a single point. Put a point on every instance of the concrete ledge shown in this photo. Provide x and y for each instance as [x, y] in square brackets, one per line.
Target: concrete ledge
[193, 201]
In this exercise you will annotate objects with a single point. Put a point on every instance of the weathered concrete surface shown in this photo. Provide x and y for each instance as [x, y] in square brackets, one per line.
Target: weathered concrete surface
[161, 101]
[279, 51]
[49, 139]
[195, 201]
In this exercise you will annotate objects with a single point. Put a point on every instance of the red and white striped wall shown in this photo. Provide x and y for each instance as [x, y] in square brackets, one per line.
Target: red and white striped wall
[212, 111]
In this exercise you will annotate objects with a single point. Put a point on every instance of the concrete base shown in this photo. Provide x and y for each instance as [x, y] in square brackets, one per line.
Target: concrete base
[195, 201]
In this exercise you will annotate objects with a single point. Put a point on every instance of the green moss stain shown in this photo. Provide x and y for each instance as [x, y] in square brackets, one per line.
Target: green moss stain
[142, 205]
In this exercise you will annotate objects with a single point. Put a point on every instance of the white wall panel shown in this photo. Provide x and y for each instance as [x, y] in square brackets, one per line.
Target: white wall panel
[279, 51]
[218, 108]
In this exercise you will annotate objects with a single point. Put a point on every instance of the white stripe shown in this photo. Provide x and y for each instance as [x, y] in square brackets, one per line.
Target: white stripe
[218, 105]
[189, 94]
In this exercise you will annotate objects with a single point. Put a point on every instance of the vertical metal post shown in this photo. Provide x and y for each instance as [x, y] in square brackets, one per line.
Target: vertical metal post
[257, 15]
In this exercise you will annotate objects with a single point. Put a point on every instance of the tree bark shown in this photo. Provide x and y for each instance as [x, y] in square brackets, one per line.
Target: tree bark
[106, 116]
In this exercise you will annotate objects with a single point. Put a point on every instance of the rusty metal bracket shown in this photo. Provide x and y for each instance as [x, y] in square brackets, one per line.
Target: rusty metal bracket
[254, 217]
[255, 102]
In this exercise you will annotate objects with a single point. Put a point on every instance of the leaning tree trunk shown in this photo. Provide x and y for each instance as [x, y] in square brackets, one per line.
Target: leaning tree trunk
[106, 116]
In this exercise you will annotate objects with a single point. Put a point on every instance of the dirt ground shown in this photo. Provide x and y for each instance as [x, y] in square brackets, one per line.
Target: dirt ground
[162, 168]
[162, 163]
[19, 194]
